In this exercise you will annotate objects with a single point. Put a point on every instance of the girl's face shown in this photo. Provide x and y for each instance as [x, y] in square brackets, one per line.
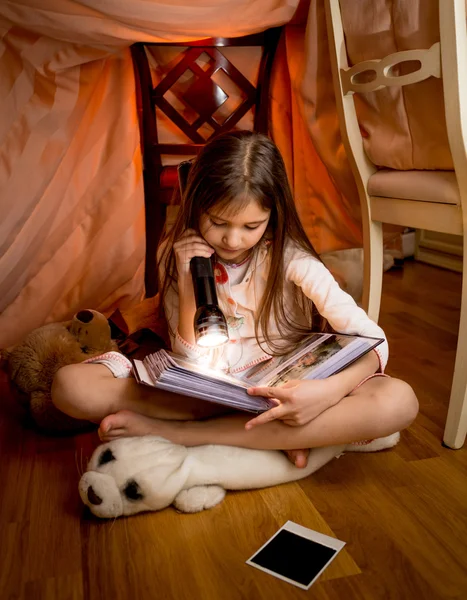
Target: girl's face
[233, 235]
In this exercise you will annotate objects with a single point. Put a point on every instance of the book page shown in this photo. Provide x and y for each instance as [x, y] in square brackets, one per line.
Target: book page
[262, 373]
[322, 360]
[182, 376]
[195, 367]
[141, 373]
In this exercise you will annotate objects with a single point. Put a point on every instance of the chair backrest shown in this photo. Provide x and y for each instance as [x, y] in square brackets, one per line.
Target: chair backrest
[203, 97]
[197, 110]
[445, 59]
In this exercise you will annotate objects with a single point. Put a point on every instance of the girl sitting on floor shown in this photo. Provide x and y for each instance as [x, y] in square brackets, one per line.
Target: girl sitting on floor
[273, 289]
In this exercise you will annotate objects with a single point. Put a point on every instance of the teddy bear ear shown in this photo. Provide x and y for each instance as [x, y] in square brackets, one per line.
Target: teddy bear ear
[5, 354]
[85, 316]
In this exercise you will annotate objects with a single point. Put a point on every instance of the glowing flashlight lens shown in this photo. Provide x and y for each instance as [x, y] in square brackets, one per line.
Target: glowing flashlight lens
[211, 340]
[210, 327]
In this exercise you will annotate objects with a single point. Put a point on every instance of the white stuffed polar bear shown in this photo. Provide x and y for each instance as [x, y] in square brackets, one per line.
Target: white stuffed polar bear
[132, 475]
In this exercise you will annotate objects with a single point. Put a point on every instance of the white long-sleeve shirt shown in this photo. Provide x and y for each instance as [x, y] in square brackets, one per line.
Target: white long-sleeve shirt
[239, 302]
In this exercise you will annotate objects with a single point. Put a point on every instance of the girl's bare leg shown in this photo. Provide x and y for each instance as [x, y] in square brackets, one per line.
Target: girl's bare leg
[379, 407]
[91, 392]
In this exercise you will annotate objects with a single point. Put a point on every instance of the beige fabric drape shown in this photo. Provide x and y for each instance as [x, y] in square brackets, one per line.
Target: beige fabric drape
[71, 194]
[304, 123]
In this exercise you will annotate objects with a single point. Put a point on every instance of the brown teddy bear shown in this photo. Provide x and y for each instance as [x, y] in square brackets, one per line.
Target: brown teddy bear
[33, 363]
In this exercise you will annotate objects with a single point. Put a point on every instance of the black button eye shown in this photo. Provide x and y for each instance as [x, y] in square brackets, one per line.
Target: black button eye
[106, 457]
[132, 491]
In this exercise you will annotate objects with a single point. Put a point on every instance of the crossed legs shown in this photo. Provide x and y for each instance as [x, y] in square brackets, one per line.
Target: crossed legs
[379, 407]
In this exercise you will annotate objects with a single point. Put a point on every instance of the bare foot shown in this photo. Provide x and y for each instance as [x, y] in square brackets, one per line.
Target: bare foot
[298, 457]
[127, 423]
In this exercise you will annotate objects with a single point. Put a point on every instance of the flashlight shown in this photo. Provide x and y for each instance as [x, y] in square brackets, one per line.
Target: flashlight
[209, 323]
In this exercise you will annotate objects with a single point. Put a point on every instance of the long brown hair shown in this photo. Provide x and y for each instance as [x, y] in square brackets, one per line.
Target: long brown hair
[239, 167]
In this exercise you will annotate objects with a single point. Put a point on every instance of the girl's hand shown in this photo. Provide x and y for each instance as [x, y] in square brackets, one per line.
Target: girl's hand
[190, 244]
[299, 402]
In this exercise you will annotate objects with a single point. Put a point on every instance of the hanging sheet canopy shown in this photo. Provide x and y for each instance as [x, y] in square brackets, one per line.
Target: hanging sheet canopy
[71, 193]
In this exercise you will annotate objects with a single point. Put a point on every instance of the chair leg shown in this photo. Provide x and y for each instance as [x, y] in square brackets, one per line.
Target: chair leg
[372, 268]
[155, 210]
[456, 423]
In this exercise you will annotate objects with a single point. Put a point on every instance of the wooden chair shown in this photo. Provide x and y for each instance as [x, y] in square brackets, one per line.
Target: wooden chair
[203, 60]
[432, 200]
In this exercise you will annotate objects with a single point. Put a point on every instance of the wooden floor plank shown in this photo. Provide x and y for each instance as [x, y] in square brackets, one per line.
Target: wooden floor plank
[374, 551]
[68, 587]
[420, 546]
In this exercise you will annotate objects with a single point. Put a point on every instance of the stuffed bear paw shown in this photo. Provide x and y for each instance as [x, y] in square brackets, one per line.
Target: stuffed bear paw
[199, 498]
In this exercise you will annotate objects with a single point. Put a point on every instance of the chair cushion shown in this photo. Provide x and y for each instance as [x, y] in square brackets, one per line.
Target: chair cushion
[426, 186]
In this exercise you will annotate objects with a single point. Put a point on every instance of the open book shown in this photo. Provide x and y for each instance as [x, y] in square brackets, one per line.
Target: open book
[319, 356]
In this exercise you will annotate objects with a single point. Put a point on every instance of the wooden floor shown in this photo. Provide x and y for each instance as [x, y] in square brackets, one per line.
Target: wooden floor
[402, 513]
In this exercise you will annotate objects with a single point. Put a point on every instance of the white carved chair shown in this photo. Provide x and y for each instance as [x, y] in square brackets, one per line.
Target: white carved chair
[432, 200]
